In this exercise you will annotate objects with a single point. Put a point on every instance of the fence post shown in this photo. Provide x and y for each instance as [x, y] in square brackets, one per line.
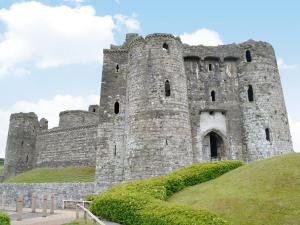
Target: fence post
[77, 212]
[84, 217]
[33, 203]
[19, 207]
[3, 201]
[52, 204]
[44, 206]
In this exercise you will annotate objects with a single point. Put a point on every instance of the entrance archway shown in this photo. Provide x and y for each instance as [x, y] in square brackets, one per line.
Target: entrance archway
[213, 146]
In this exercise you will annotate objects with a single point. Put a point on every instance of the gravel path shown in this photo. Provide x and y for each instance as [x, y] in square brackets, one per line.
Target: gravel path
[58, 218]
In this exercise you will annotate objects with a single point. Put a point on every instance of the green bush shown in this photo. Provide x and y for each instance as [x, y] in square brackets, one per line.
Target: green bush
[143, 202]
[4, 219]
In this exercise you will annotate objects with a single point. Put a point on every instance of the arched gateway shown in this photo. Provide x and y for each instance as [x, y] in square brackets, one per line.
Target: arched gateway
[214, 146]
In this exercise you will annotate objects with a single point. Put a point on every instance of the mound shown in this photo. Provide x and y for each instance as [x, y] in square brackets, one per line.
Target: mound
[262, 192]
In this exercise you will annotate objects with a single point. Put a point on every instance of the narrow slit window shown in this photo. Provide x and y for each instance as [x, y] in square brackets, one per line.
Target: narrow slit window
[167, 88]
[166, 141]
[248, 56]
[213, 96]
[210, 67]
[115, 150]
[22, 143]
[117, 108]
[117, 68]
[267, 131]
[250, 93]
[165, 46]
[27, 159]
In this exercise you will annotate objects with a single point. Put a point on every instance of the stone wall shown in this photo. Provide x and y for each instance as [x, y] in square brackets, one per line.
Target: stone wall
[76, 118]
[62, 191]
[67, 147]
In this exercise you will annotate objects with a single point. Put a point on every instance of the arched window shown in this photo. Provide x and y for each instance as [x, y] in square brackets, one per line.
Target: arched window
[248, 56]
[267, 131]
[213, 96]
[117, 108]
[165, 46]
[250, 93]
[167, 88]
[117, 68]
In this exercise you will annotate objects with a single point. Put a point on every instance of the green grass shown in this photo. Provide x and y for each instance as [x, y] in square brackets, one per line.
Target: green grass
[143, 202]
[1, 169]
[79, 222]
[260, 193]
[55, 175]
[1, 166]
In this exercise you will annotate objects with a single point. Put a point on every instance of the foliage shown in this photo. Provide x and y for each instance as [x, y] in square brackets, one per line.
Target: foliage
[4, 219]
[144, 201]
[262, 192]
[55, 175]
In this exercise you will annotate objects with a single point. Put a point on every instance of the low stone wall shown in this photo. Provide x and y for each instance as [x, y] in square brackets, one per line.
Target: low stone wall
[62, 191]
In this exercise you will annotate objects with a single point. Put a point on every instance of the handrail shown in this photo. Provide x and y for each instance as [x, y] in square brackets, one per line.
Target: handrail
[87, 212]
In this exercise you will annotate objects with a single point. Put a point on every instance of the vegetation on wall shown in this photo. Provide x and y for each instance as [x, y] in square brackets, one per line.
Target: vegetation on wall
[144, 201]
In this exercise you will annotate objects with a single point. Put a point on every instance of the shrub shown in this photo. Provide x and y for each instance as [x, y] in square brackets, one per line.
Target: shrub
[143, 202]
[4, 219]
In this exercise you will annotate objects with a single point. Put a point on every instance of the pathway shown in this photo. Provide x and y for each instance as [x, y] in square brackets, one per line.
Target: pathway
[58, 218]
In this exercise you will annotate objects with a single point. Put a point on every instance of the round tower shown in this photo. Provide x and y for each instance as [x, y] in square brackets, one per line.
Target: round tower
[265, 122]
[158, 131]
[20, 148]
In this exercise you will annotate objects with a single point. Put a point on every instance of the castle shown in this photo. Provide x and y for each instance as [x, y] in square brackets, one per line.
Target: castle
[163, 105]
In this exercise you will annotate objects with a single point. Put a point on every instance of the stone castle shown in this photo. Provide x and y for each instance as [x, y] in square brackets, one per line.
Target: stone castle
[163, 105]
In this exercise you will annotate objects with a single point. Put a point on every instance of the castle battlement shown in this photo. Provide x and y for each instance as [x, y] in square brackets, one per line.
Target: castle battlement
[165, 105]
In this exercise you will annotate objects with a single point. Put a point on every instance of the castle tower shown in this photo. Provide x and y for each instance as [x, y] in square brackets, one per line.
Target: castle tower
[21, 140]
[265, 121]
[157, 129]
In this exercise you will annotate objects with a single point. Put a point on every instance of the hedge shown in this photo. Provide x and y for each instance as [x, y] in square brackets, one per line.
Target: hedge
[143, 202]
[4, 219]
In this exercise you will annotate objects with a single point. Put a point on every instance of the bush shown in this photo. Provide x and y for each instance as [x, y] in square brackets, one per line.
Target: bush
[4, 219]
[143, 202]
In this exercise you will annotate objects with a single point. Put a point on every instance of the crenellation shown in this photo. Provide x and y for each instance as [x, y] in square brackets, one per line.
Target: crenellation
[165, 105]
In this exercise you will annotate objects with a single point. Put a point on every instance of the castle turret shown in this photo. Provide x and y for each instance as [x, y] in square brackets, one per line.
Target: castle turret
[158, 132]
[265, 121]
[20, 148]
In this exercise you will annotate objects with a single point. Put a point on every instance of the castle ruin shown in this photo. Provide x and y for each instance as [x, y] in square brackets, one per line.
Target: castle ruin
[163, 105]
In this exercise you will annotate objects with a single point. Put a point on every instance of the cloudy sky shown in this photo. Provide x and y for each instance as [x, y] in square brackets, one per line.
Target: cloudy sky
[51, 51]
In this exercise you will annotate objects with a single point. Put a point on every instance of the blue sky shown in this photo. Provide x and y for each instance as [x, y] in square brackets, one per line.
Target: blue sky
[46, 65]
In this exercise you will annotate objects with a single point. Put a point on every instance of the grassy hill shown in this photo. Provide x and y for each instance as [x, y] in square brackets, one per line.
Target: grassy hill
[55, 175]
[1, 166]
[260, 193]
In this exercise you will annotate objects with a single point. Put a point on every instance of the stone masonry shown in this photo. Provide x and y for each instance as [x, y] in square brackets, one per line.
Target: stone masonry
[163, 105]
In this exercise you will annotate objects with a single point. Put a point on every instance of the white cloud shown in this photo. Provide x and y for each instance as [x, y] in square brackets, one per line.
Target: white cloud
[202, 37]
[283, 65]
[48, 109]
[52, 36]
[131, 23]
[295, 132]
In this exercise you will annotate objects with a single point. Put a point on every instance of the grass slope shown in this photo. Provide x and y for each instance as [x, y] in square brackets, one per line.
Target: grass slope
[55, 175]
[1, 169]
[263, 192]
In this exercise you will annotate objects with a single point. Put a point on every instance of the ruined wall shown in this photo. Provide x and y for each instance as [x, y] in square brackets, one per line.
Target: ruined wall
[61, 191]
[67, 147]
[76, 118]
[20, 152]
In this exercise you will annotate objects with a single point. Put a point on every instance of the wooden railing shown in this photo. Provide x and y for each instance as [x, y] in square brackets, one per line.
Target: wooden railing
[87, 215]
